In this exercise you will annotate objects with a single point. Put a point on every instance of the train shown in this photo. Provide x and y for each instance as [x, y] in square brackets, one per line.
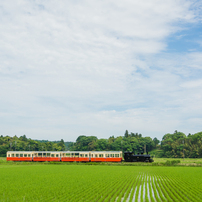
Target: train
[76, 156]
[65, 156]
[131, 157]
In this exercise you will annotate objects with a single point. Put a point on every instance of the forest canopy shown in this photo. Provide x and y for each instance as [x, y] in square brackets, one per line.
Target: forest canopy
[176, 145]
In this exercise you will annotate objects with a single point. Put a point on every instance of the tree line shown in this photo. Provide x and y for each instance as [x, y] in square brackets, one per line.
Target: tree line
[23, 143]
[176, 145]
[129, 142]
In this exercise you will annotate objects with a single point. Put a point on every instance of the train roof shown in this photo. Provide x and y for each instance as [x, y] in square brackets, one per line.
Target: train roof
[20, 151]
[105, 151]
[33, 151]
[63, 151]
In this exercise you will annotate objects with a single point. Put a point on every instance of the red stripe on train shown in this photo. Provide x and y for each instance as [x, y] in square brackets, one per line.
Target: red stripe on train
[46, 158]
[108, 159]
[19, 158]
[74, 159]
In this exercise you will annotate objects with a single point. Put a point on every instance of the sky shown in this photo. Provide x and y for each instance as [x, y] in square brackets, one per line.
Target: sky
[71, 68]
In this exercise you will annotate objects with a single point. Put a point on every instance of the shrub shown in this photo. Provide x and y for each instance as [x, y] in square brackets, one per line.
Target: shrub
[171, 163]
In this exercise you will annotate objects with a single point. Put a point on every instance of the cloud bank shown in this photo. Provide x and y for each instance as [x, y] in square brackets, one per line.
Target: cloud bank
[100, 67]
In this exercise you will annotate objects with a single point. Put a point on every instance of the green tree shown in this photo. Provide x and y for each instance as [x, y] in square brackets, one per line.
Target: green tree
[102, 145]
[156, 142]
[126, 134]
[62, 144]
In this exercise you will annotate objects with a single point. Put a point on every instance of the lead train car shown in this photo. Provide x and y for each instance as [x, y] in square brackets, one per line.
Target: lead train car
[68, 156]
[130, 157]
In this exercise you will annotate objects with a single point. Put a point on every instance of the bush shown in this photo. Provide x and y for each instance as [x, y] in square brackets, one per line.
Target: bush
[171, 163]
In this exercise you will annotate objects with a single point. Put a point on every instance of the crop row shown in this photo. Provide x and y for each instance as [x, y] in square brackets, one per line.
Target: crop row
[99, 183]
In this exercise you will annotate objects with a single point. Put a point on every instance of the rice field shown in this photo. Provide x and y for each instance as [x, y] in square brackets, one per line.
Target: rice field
[41, 182]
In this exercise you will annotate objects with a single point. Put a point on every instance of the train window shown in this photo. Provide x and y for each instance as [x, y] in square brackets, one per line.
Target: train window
[76, 154]
[86, 155]
[116, 155]
[9, 155]
[57, 155]
[81, 155]
[25, 155]
[28, 155]
[95, 155]
[52, 155]
[68, 154]
[107, 155]
[39, 154]
[17, 155]
[12, 155]
[44, 154]
[100, 155]
[48, 154]
[92, 155]
[21, 155]
[110, 155]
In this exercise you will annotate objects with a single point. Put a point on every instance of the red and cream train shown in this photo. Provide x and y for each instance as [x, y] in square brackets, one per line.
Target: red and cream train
[65, 156]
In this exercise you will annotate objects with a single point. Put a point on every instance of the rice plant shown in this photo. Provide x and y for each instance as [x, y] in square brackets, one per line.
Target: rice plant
[41, 182]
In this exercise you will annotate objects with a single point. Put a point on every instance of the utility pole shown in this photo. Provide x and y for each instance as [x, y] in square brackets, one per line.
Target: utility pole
[183, 149]
[121, 145]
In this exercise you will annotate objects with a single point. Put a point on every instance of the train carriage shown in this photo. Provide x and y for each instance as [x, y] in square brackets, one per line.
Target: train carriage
[20, 155]
[71, 156]
[106, 156]
[46, 156]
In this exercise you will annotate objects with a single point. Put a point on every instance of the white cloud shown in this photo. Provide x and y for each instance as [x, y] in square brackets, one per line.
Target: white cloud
[93, 68]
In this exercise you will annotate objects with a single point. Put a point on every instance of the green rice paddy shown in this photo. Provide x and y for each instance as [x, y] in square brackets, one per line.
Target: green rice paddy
[77, 182]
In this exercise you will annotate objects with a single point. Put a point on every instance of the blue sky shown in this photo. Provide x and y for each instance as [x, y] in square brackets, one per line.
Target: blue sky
[100, 67]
